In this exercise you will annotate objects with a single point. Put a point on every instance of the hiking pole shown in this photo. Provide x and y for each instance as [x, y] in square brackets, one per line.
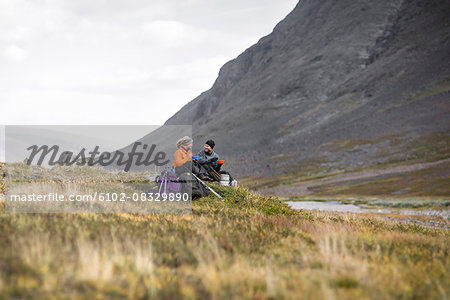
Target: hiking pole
[204, 184]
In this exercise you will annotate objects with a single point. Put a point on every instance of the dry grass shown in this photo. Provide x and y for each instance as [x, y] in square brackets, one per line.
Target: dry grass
[252, 248]
[249, 246]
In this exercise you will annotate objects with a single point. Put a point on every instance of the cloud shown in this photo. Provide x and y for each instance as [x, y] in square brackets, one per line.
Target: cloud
[168, 33]
[15, 53]
[19, 34]
[114, 61]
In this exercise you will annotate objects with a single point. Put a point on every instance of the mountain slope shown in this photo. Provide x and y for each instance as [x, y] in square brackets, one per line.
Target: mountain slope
[336, 85]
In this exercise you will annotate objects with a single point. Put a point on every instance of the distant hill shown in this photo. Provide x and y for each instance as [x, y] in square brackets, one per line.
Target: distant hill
[336, 85]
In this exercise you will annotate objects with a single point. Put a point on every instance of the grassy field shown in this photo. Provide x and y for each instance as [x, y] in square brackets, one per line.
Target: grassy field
[246, 247]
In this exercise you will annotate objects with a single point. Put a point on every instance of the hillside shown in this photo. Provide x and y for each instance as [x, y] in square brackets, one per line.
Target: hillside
[337, 85]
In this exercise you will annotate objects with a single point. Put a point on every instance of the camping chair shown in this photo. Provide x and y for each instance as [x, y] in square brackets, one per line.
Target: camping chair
[211, 172]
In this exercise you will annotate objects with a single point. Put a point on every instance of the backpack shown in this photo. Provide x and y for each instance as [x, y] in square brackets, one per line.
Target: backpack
[168, 183]
[198, 189]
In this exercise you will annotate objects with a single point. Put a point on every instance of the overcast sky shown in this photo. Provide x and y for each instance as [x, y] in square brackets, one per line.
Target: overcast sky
[119, 62]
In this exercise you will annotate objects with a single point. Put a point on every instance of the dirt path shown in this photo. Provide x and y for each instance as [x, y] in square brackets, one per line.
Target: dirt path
[302, 188]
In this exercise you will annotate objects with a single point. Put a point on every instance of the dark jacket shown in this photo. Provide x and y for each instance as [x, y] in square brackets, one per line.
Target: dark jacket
[207, 159]
[204, 158]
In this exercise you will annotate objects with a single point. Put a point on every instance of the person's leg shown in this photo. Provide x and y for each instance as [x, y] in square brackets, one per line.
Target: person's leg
[186, 168]
[196, 168]
[200, 171]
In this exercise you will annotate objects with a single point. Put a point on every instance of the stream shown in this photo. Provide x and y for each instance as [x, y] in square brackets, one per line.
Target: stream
[439, 217]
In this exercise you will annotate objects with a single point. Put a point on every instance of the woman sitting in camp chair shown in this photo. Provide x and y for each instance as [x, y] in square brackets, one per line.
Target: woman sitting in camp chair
[182, 162]
[185, 167]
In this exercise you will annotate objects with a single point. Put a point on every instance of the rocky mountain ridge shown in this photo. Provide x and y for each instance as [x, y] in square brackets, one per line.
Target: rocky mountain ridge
[336, 85]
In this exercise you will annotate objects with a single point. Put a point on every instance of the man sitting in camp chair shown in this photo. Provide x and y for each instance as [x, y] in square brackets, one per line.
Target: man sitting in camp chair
[207, 162]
